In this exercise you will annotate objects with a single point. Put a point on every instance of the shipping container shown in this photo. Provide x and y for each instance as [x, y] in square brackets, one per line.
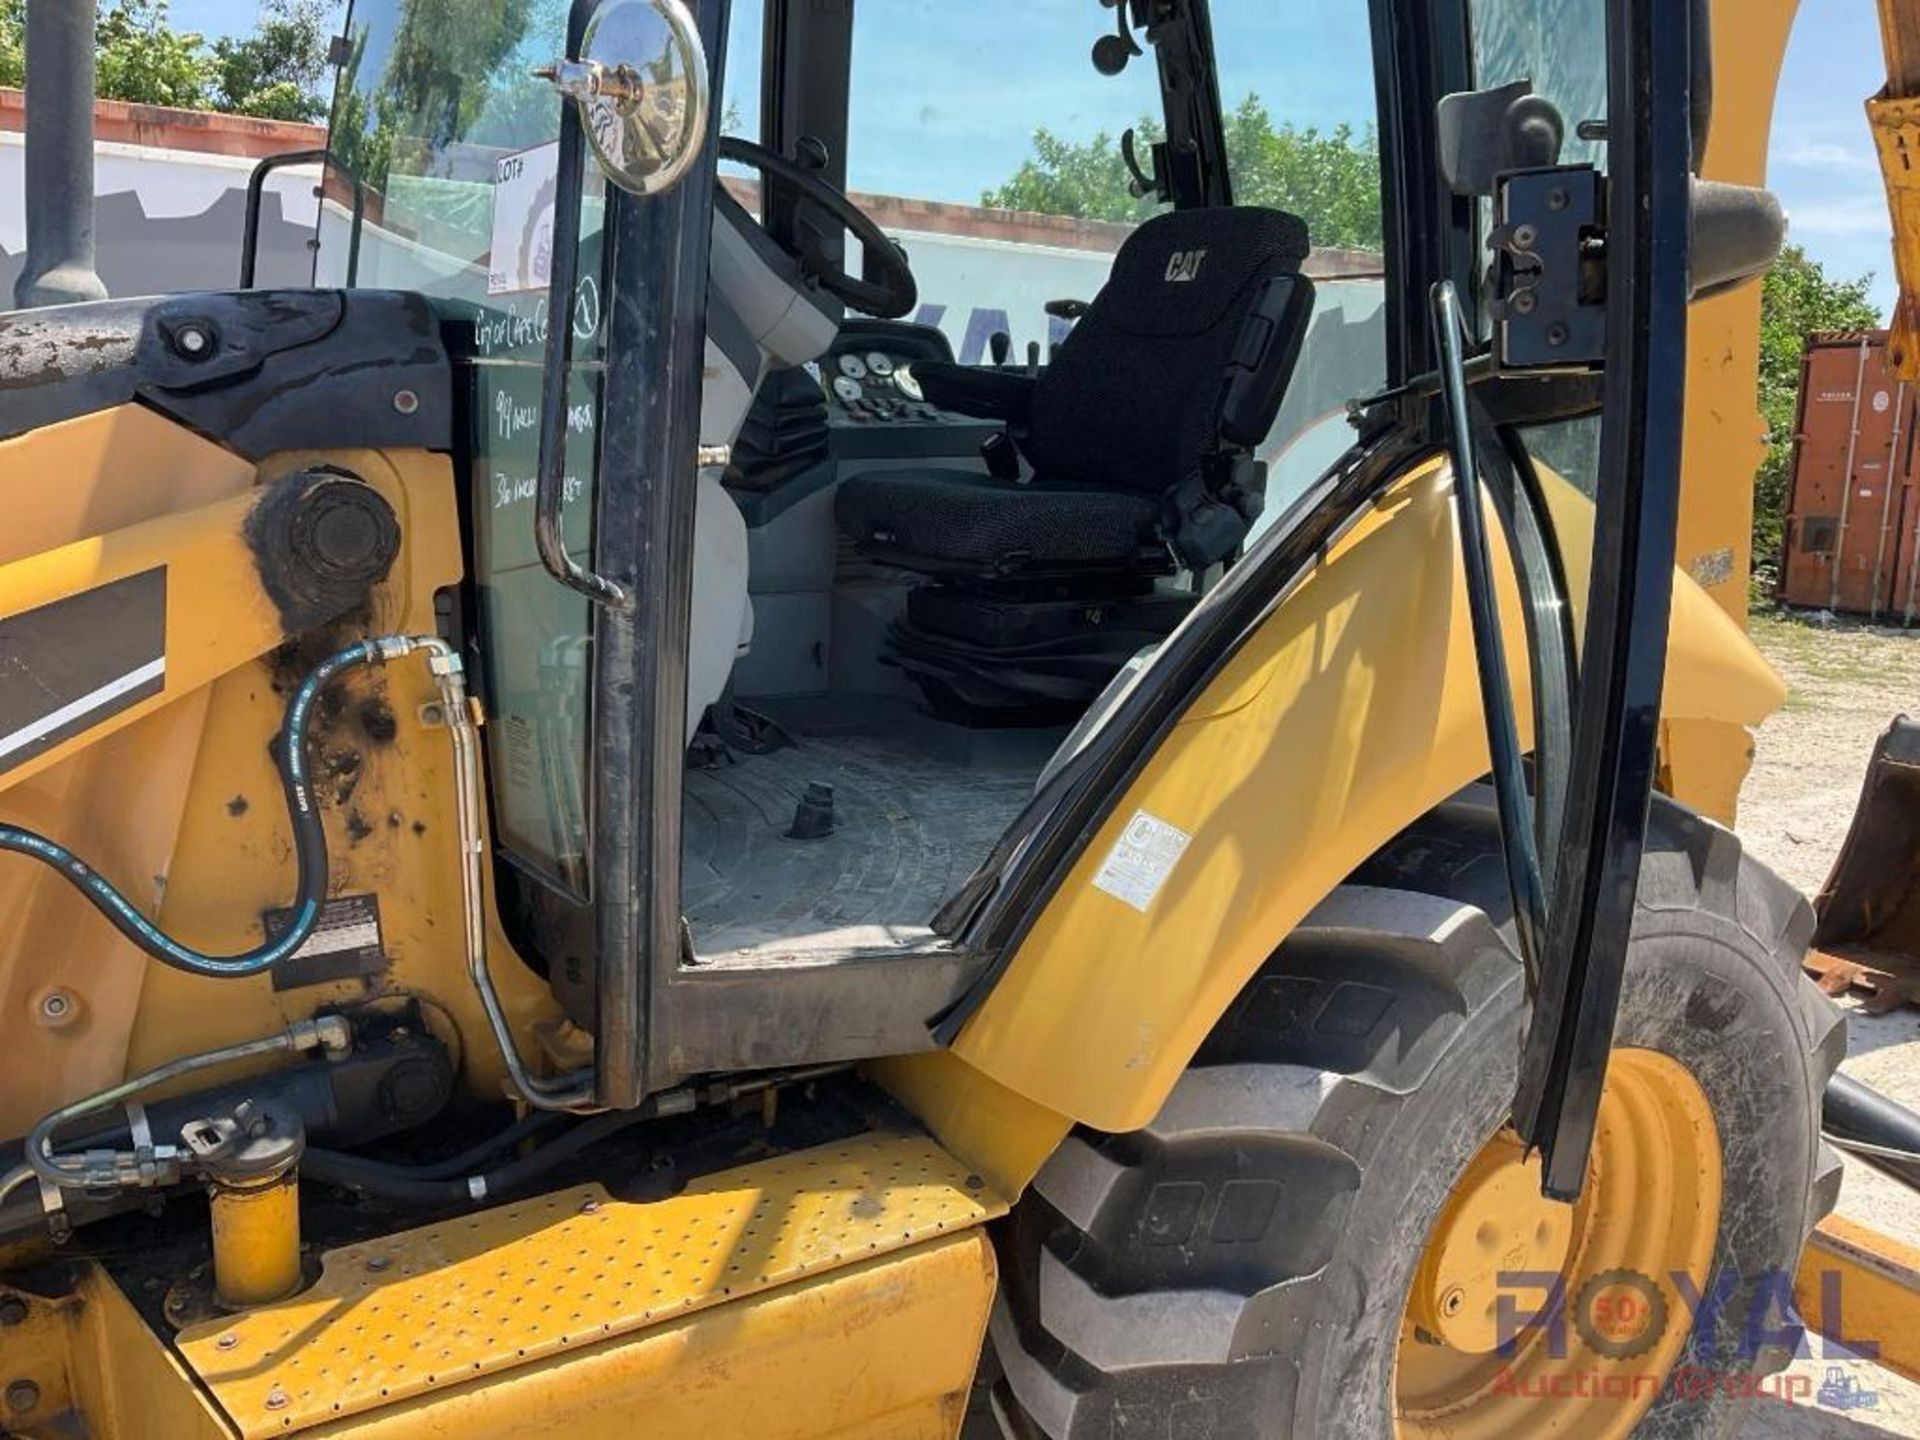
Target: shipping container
[1852, 541]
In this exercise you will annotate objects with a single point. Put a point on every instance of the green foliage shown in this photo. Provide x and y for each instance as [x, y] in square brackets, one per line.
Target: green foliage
[1330, 178]
[455, 71]
[1086, 180]
[277, 71]
[142, 59]
[1796, 298]
[13, 50]
[139, 57]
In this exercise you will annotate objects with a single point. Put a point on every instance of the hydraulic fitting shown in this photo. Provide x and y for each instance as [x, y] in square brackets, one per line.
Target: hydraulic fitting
[250, 1159]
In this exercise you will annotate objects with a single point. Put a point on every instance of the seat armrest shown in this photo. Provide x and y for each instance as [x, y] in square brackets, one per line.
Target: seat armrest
[971, 390]
[1263, 358]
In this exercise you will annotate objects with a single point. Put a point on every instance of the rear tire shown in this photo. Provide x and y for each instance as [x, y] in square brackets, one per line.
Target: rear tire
[1242, 1266]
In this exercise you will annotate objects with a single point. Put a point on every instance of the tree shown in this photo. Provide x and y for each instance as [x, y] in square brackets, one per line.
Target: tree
[1088, 181]
[1331, 179]
[139, 57]
[13, 49]
[277, 71]
[1796, 298]
[453, 70]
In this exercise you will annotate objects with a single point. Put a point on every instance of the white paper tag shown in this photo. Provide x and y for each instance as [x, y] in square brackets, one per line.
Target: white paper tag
[1141, 860]
[523, 191]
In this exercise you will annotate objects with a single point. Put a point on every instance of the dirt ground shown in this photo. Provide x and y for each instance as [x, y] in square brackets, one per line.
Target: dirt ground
[1847, 682]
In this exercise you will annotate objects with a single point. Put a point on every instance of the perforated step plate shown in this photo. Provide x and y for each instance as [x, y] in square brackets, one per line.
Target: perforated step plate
[438, 1306]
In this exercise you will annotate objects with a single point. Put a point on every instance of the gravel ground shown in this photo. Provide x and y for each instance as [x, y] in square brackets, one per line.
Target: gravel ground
[1847, 682]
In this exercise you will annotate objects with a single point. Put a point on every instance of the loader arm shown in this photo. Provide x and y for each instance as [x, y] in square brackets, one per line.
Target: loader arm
[1894, 117]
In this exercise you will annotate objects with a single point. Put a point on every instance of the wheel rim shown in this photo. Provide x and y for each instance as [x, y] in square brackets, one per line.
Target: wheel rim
[1474, 1360]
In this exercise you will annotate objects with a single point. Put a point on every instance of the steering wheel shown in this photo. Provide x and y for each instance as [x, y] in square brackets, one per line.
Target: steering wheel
[885, 287]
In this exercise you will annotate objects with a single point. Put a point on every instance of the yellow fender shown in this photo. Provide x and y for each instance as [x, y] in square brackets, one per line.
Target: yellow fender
[1354, 709]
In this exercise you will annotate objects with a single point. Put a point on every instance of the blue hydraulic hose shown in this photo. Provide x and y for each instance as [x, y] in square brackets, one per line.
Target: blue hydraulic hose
[309, 841]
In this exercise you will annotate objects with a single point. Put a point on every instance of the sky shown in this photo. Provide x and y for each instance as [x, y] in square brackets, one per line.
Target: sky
[945, 97]
[933, 98]
[1822, 161]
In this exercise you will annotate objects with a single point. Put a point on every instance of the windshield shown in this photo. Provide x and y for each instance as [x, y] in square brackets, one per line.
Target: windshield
[1011, 191]
[455, 141]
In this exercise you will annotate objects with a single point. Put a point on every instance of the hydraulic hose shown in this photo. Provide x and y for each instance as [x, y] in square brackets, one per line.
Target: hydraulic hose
[1880, 1130]
[309, 841]
[151, 1165]
[449, 1182]
[428, 1185]
[531, 1126]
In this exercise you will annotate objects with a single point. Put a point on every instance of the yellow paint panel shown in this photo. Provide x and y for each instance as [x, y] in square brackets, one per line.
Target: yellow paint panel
[1353, 710]
[102, 472]
[1713, 670]
[54, 938]
[129, 1386]
[389, 823]
[1859, 1285]
[218, 617]
[1856, 1284]
[1002, 1135]
[38, 1350]
[880, 1350]
[1724, 437]
[449, 1303]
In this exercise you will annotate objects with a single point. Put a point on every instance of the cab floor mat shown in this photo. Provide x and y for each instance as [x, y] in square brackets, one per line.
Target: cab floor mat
[906, 829]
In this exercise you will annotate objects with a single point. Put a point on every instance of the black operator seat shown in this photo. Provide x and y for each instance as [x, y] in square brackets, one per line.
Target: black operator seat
[1139, 442]
[1139, 434]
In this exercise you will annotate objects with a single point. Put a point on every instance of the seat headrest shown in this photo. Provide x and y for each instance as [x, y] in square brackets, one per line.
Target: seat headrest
[1132, 401]
[1180, 272]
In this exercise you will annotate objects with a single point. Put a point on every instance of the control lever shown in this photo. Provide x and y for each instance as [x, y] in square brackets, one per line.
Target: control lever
[1000, 346]
[1068, 311]
[1033, 357]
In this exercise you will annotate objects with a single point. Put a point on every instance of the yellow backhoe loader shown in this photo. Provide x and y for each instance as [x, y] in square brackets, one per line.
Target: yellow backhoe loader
[616, 821]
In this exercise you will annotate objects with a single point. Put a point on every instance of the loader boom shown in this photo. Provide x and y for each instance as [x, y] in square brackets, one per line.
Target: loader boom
[1894, 118]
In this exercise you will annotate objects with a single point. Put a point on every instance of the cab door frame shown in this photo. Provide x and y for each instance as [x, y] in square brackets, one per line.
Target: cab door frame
[649, 435]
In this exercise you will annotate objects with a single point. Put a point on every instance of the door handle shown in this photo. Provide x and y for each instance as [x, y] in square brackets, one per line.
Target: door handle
[549, 492]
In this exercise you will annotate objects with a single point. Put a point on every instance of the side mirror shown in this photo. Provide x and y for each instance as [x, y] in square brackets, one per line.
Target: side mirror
[641, 84]
[1737, 234]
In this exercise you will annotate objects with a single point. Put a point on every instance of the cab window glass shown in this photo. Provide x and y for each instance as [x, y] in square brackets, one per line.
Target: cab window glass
[1561, 48]
[982, 138]
[739, 98]
[454, 142]
[1558, 45]
[1301, 110]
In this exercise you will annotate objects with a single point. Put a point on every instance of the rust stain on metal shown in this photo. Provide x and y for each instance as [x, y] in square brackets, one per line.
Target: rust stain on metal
[1883, 980]
[1852, 539]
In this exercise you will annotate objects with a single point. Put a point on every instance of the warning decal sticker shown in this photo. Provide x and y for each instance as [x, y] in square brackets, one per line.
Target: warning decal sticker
[1141, 860]
[345, 944]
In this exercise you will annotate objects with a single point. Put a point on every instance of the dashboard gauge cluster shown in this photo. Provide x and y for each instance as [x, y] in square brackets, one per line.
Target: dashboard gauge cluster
[873, 387]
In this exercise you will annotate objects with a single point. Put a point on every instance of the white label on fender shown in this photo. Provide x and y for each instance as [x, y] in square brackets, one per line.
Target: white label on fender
[1141, 860]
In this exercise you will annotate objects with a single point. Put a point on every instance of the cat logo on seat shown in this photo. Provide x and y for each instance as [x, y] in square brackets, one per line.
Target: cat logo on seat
[1185, 265]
